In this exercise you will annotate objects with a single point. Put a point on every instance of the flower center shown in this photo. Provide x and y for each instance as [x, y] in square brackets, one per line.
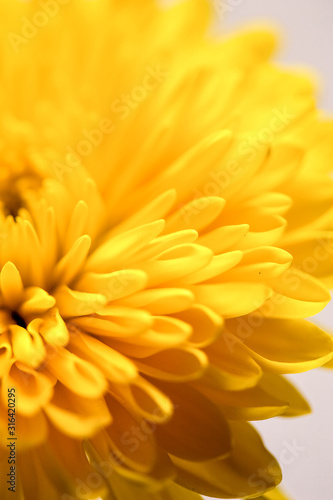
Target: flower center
[11, 202]
[18, 319]
[10, 317]
[13, 192]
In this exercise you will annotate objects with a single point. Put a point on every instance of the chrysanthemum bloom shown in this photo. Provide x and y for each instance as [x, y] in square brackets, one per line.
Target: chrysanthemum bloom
[166, 227]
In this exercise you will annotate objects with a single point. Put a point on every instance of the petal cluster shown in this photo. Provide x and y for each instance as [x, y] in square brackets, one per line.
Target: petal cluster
[166, 228]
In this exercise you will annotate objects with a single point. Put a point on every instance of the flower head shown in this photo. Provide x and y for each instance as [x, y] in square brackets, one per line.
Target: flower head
[165, 227]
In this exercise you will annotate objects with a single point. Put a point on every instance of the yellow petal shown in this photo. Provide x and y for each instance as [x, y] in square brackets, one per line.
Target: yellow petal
[159, 475]
[131, 439]
[30, 431]
[11, 285]
[160, 300]
[117, 250]
[34, 388]
[63, 460]
[53, 328]
[276, 203]
[297, 295]
[77, 224]
[35, 301]
[114, 366]
[174, 264]
[312, 252]
[32, 478]
[166, 242]
[116, 322]
[174, 365]
[231, 366]
[79, 375]
[279, 387]
[146, 400]
[76, 416]
[265, 229]
[165, 333]
[152, 211]
[5, 353]
[71, 264]
[197, 430]
[197, 214]
[197, 159]
[276, 494]
[248, 404]
[287, 346]
[224, 237]
[124, 487]
[114, 285]
[232, 299]
[218, 265]
[72, 303]
[27, 345]
[206, 325]
[249, 470]
[32, 247]
[282, 163]
[260, 264]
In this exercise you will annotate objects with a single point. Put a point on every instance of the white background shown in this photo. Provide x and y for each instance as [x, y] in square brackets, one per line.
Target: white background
[307, 34]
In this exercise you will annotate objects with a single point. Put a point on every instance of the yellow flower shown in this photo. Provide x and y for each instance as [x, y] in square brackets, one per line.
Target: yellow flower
[166, 226]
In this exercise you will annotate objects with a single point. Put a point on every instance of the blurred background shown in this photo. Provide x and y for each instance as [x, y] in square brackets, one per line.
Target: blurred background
[306, 38]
